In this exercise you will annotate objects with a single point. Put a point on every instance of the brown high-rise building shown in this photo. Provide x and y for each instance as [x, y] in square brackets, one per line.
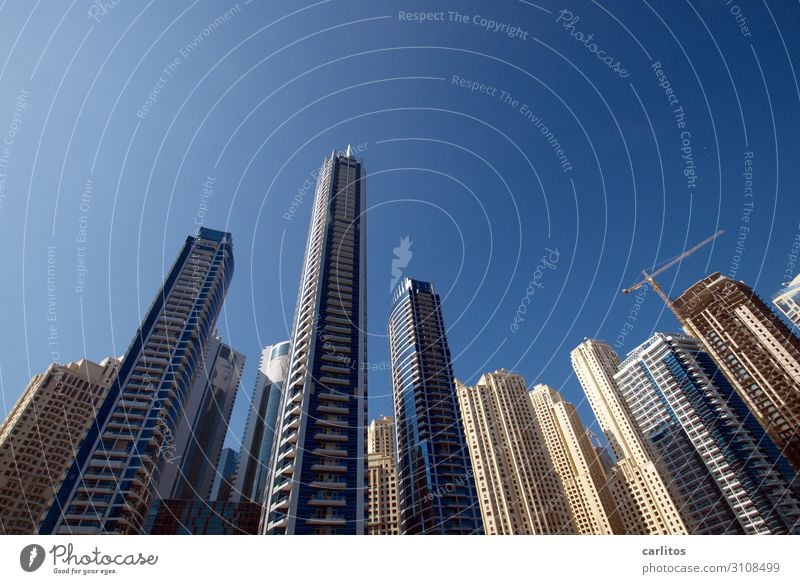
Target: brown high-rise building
[39, 438]
[755, 350]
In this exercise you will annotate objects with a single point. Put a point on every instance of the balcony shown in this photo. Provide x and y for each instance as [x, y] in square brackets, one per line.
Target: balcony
[328, 468]
[329, 520]
[328, 502]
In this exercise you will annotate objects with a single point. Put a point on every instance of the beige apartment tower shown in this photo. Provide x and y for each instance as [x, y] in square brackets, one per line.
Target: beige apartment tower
[383, 514]
[576, 462]
[39, 438]
[518, 488]
[643, 502]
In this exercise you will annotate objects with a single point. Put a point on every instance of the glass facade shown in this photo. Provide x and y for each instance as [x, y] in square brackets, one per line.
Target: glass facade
[113, 479]
[714, 454]
[192, 517]
[260, 428]
[318, 477]
[436, 488]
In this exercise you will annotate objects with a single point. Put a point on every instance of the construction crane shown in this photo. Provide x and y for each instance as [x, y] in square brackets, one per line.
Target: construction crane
[650, 278]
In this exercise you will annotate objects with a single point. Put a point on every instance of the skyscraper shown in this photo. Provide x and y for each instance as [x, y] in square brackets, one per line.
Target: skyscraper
[788, 300]
[190, 470]
[436, 486]
[576, 463]
[112, 482]
[225, 479]
[642, 499]
[727, 469]
[754, 348]
[262, 419]
[518, 488]
[383, 517]
[40, 435]
[318, 472]
[197, 517]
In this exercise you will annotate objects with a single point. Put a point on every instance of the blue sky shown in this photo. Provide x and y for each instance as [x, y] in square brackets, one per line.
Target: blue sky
[114, 121]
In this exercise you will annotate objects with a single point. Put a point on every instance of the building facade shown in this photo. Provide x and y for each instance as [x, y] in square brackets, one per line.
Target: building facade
[518, 487]
[196, 517]
[318, 474]
[576, 463]
[756, 351]
[788, 301]
[383, 512]
[191, 468]
[225, 479]
[40, 435]
[729, 472]
[112, 482]
[434, 474]
[642, 499]
[262, 419]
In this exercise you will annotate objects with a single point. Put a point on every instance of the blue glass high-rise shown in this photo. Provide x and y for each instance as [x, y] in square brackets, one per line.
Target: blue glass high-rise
[436, 488]
[318, 473]
[112, 482]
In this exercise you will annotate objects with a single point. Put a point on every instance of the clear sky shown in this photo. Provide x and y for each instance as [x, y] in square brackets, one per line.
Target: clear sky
[537, 154]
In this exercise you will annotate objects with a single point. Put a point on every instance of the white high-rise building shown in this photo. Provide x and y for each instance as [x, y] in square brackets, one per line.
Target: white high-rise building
[788, 300]
[730, 476]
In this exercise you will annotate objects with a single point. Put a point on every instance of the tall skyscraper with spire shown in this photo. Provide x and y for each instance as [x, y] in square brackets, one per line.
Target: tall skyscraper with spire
[112, 482]
[757, 352]
[436, 485]
[642, 498]
[318, 472]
